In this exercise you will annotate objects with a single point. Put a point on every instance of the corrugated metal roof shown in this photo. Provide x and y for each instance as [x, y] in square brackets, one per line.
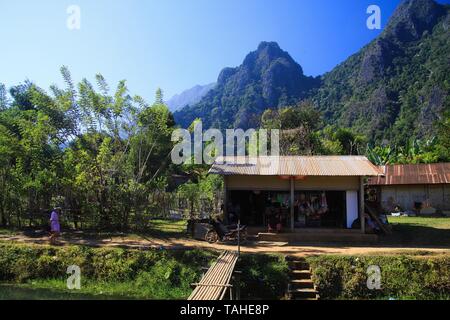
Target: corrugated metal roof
[295, 166]
[438, 173]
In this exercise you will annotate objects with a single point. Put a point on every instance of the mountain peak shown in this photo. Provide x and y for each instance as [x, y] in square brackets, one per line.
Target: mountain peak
[268, 78]
[412, 18]
[269, 45]
[266, 55]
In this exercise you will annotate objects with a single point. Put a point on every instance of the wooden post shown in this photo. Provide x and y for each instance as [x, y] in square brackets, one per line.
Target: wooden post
[361, 205]
[292, 204]
[225, 200]
[239, 236]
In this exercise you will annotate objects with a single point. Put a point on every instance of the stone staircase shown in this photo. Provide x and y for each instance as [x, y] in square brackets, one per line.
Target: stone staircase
[301, 286]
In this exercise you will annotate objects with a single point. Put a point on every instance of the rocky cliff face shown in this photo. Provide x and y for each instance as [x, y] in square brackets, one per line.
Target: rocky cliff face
[267, 78]
[397, 86]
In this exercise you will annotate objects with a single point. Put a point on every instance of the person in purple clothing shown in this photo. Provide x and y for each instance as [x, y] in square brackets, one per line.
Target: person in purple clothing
[55, 228]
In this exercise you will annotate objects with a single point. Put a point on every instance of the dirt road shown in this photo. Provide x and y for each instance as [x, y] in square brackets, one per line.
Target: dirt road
[296, 249]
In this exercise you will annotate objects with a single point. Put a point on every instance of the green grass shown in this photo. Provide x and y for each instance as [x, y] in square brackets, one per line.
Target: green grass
[166, 228]
[157, 228]
[432, 222]
[7, 232]
[418, 231]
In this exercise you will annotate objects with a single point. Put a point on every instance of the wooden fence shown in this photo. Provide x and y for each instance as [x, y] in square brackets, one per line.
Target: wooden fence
[158, 205]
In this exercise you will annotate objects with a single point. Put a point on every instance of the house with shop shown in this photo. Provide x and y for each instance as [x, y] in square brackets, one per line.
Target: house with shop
[312, 197]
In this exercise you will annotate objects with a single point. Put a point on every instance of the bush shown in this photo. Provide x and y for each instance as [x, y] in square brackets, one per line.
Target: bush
[263, 276]
[402, 277]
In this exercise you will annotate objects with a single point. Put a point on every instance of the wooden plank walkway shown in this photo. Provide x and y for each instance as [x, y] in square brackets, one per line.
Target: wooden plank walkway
[216, 280]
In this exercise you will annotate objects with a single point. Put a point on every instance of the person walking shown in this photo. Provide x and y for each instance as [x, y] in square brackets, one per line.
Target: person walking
[55, 227]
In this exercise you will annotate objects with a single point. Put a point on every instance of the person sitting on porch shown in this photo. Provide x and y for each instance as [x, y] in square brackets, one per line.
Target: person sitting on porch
[304, 207]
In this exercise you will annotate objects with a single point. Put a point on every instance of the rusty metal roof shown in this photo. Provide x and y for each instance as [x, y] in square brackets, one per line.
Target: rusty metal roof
[295, 166]
[438, 173]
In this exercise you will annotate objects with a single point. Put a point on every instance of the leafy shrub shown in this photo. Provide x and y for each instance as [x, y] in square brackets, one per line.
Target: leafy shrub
[402, 277]
[263, 276]
[150, 273]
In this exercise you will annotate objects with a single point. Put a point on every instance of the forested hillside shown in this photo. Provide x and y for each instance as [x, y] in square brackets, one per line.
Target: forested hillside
[397, 87]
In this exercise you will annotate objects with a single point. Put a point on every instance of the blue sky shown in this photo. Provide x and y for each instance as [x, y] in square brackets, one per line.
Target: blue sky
[174, 44]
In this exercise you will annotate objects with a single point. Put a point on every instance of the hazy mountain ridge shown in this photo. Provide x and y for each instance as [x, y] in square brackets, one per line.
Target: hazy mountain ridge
[189, 97]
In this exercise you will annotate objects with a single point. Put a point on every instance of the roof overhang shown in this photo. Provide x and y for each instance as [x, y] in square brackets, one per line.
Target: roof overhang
[295, 166]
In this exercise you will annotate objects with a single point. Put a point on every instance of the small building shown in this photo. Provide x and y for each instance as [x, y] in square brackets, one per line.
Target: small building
[413, 186]
[308, 192]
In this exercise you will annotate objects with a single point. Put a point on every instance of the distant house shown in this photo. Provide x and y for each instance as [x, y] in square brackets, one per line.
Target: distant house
[414, 186]
[307, 192]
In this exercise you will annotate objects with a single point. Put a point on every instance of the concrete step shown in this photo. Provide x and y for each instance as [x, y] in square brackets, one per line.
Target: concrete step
[294, 259]
[302, 283]
[303, 293]
[299, 265]
[300, 274]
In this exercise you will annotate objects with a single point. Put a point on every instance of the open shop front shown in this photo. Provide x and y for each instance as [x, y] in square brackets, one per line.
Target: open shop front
[316, 202]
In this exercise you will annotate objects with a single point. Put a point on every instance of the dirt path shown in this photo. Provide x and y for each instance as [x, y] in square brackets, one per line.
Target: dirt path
[249, 247]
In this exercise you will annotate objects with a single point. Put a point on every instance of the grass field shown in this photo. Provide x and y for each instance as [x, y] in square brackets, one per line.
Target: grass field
[419, 231]
[7, 232]
[157, 228]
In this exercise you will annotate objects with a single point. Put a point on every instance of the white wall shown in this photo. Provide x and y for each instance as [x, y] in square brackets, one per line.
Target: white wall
[405, 196]
[352, 207]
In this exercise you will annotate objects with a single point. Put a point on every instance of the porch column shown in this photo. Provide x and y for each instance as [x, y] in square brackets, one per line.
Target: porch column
[292, 203]
[225, 200]
[361, 205]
